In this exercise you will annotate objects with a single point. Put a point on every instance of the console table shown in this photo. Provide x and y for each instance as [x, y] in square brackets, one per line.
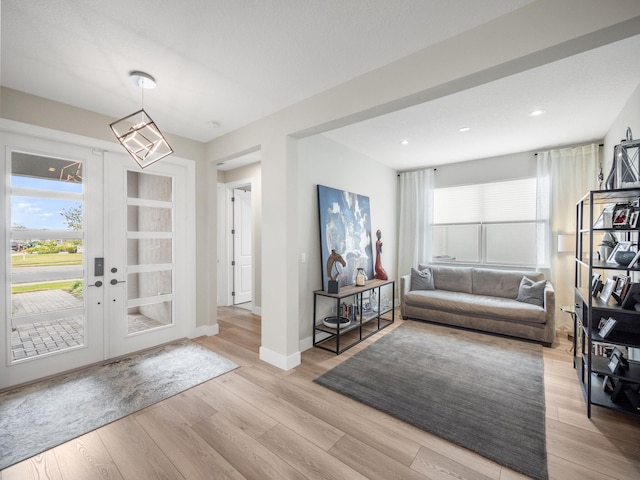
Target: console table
[344, 319]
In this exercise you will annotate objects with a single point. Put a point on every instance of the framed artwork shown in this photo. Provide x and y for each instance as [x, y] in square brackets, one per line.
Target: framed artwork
[345, 229]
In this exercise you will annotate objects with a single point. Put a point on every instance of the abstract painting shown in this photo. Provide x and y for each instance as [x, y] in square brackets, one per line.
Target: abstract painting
[345, 227]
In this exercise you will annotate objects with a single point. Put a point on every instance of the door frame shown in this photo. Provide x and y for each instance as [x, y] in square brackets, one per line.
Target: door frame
[225, 240]
[98, 148]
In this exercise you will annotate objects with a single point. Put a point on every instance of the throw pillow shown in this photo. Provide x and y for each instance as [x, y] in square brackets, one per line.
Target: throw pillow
[422, 279]
[531, 292]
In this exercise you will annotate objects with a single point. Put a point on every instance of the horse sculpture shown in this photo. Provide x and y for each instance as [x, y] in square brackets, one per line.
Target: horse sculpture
[333, 258]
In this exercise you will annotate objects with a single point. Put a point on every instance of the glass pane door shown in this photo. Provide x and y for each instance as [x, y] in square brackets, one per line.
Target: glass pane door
[149, 251]
[47, 264]
[147, 271]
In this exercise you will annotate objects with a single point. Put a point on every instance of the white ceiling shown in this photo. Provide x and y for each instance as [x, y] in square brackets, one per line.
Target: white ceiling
[582, 96]
[233, 62]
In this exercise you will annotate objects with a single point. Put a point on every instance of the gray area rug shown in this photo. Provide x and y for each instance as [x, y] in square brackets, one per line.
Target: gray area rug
[482, 392]
[37, 417]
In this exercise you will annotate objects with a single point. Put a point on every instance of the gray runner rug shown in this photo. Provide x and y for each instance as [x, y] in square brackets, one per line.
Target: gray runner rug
[37, 417]
[483, 392]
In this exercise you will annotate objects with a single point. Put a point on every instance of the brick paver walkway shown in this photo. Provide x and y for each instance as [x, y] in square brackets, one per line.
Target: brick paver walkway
[44, 337]
[64, 331]
[67, 330]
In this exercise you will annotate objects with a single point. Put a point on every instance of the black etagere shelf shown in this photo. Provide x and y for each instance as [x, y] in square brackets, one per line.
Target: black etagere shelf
[605, 381]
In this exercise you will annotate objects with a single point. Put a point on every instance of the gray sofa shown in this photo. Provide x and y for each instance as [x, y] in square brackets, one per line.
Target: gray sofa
[481, 299]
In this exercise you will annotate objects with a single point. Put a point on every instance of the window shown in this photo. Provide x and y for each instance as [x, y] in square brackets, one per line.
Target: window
[490, 223]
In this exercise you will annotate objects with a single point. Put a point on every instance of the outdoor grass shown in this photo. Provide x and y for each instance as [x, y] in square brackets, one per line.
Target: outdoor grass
[67, 285]
[46, 260]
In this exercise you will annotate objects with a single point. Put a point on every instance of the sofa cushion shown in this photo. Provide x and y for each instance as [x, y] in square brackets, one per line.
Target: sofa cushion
[454, 279]
[422, 279]
[531, 292]
[507, 309]
[500, 283]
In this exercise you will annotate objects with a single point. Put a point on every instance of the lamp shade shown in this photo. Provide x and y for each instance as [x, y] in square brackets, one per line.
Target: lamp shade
[140, 136]
[566, 243]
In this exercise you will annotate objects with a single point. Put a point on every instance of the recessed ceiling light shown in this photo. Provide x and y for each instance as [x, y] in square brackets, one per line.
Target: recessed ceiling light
[214, 124]
[464, 129]
[404, 142]
[537, 113]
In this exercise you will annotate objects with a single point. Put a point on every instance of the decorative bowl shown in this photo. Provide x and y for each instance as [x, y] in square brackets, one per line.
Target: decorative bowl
[332, 322]
[624, 258]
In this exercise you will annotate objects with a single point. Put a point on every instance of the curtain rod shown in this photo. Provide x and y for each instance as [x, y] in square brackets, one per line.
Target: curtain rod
[600, 145]
[417, 170]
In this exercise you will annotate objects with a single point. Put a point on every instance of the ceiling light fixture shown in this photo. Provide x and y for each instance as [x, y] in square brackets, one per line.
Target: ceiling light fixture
[464, 129]
[404, 142]
[138, 133]
[537, 113]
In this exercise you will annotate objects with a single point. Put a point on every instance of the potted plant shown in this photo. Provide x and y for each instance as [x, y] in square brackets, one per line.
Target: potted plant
[609, 242]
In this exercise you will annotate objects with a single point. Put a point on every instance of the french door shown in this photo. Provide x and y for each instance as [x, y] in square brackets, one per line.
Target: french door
[94, 256]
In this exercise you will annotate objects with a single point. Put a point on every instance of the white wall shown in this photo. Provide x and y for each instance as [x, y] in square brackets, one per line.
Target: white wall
[325, 162]
[628, 117]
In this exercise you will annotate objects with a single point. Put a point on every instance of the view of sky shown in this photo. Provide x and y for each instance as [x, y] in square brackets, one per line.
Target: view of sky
[41, 213]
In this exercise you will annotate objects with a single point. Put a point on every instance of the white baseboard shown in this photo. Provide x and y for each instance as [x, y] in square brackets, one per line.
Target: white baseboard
[256, 311]
[204, 331]
[280, 361]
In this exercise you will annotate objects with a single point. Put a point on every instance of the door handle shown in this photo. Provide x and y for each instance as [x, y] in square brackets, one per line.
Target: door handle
[97, 284]
[114, 281]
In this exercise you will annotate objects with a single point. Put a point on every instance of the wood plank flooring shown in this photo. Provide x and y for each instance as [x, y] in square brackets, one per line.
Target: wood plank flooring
[259, 422]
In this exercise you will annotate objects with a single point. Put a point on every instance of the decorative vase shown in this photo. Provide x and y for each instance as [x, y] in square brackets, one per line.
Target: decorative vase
[624, 258]
[361, 277]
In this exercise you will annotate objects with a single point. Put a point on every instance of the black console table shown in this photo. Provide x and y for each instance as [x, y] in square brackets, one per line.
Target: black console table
[344, 319]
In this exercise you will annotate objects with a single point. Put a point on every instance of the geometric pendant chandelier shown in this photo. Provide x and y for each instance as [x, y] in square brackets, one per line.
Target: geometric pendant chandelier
[138, 133]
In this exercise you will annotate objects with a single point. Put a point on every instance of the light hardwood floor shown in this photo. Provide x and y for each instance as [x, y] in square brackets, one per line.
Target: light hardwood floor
[259, 422]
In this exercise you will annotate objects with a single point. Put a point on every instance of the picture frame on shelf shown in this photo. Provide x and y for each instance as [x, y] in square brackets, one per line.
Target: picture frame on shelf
[595, 284]
[631, 296]
[621, 216]
[605, 220]
[623, 246]
[633, 219]
[606, 326]
[607, 289]
[622, 284]
[614, 362]
[635, 260]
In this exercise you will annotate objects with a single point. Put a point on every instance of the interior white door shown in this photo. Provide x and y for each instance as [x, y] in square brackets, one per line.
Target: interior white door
[146, 269]
[242, 244]
[51, 197]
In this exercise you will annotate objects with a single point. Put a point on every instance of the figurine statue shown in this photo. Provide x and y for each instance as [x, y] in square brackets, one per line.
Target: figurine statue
[380, 273]
[333, 285]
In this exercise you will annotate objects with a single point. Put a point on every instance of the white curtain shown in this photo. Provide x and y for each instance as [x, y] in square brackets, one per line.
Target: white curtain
[564, 177]
[416, 214]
